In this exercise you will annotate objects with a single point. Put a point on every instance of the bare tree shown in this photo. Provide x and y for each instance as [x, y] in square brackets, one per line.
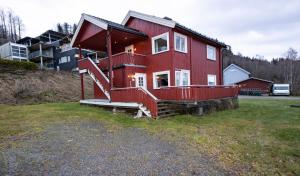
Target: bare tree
[20, 26]
[3, 23]
[10, 24]
[74, 28]
[59, 28]
[291, 57]
[66, 28]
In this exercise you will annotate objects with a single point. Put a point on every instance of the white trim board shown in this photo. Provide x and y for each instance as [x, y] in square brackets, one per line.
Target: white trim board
[233, 65]
[153, 19]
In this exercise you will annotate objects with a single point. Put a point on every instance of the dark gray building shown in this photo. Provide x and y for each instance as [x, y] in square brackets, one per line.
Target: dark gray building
[51, 50]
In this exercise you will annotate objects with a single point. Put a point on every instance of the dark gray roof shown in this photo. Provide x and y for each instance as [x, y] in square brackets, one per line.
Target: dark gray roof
[120, 26]
[256, 79]
[201, 36]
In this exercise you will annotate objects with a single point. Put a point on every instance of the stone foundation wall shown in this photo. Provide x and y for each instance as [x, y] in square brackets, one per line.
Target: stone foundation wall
[202, 107]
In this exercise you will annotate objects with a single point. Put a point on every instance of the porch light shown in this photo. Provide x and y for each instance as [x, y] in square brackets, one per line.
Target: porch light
[130, 76]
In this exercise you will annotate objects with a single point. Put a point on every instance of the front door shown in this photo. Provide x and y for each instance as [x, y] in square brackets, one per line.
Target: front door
[140, 80]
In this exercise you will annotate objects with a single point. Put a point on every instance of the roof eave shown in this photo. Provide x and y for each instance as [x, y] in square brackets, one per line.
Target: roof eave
[149, 18]
[201, 36]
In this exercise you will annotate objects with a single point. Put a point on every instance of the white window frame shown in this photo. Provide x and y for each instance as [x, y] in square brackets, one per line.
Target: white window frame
[215, 52]
[181, 72]
[215, 78]
[160, 73]
[185, 40]
[157, 37]
[61, 61]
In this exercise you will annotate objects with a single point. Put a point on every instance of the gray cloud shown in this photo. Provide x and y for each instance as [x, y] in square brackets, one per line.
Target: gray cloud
[251, 27]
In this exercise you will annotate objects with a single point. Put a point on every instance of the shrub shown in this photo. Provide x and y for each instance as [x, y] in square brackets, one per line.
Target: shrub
[18, 64]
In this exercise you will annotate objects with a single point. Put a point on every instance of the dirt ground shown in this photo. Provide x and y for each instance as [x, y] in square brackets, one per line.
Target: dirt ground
[86, 147]
[30, 87]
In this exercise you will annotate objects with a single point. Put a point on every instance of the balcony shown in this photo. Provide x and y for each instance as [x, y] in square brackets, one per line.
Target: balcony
[121, 59]
[45, 54]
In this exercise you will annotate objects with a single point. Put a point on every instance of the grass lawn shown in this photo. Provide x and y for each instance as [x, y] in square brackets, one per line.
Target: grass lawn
[261, 137]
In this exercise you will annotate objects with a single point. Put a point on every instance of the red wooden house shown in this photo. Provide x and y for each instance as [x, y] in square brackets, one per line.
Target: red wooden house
[150, 60]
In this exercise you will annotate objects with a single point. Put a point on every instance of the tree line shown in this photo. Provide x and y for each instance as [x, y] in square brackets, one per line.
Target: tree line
[11, 26]
[66, 28]
[285, 69]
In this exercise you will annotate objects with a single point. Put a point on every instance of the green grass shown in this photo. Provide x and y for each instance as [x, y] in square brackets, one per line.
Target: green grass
[261, 137]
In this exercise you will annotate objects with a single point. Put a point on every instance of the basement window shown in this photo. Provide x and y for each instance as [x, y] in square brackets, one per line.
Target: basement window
[160, 43]
[161, 79]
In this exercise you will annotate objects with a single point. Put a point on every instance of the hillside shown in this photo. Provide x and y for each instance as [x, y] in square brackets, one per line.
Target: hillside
[29, 87]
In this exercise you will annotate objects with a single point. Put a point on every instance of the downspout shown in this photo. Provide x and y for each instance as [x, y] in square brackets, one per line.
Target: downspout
[221, 65]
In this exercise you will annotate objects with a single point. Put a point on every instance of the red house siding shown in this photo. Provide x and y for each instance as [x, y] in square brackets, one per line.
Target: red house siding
[254, 84]
[154, 62]
[98, 93]
[194, 60]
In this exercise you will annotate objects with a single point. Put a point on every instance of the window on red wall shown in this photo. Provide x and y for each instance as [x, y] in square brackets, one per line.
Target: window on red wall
[180, 42]
[211, 80]
[160, 43]
[211, 53]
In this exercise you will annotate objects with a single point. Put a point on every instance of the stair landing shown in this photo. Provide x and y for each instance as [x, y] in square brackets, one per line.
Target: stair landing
[107, 103]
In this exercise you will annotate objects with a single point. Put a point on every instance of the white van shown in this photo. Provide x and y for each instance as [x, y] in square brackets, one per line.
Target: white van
[281, 89]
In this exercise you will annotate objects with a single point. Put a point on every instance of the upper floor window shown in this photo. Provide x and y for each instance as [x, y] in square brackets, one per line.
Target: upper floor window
[211, 80]
[211, 52]
[160, 43]
[180, 42]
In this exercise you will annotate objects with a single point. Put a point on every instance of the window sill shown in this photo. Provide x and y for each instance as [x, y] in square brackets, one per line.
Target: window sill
[183, 52]
[165, 87]
[160, 52]
[212, 59]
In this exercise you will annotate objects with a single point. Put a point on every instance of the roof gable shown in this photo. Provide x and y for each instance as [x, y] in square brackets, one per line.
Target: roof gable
[85, 17]
[104, 24]
[169, 23]
[254, 78]
[150, 18]
[235, 66]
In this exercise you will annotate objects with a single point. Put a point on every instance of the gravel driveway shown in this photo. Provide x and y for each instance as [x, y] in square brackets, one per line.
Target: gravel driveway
[88, 148]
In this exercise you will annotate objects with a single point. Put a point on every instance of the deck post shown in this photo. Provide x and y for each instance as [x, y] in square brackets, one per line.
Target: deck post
[81, 76]
[109, 54]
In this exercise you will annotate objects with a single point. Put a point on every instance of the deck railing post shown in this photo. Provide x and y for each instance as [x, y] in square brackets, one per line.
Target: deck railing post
[81, 76]
[108, 42]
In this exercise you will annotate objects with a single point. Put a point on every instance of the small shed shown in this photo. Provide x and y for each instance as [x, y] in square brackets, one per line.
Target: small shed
[254, 85]
[233, 74]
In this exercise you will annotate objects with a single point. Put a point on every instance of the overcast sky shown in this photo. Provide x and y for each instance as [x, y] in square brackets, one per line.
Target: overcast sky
[251, 27]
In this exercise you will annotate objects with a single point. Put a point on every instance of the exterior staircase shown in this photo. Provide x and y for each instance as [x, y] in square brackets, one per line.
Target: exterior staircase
[146, 101]
[88, 65]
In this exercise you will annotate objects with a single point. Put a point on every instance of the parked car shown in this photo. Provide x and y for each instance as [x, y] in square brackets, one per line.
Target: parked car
[280, 89]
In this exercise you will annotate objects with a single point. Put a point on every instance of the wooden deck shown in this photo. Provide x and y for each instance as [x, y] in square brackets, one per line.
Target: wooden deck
[104, 102]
